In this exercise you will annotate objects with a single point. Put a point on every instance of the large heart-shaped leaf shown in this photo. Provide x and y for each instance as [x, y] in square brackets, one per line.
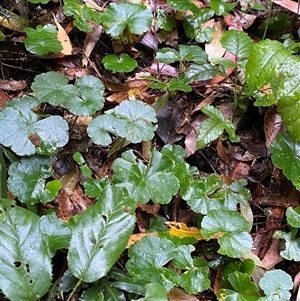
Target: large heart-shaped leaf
[25, 261]
[100, 234]
[118, 16]
[26, 134]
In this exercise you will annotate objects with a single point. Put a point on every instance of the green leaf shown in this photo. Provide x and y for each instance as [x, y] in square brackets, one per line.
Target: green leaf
[26, 134]
[232, 228]
[245, 289]
[264, 62]
[39, 1]
[155, 181]
[277, 283]
[237, 42]
[27, 179]
[53, 87]
[2, 36]
[213, 127]
[56, 232]
[25, 261]
[164, 21]
[222, 7]
[292, 245]
[181, 5]
[200, 72]
[148, 258]
[94, 187]
[167, 55]
[82, 14]
[131, 120]
[293, 216]
[179, 84]
[42, 40]
[90, 98]
[122, 63]
[285, 155]
[119, 16]
[100, 234]
[192, 53]
[154, 292]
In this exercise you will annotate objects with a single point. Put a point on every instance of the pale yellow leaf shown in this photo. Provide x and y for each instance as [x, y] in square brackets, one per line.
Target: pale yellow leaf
[63, 38]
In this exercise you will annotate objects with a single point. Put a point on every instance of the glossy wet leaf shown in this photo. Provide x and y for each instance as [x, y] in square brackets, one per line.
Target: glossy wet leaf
[26, 134]
[27, 180]
[277, 283]
[121, 63]
[213, 127]
[90, 97]
[53, 87]
[119, 16]
[264, 62]
[192, 53]
[100, 234]
[222, 7]
[24, 255]
[131, 120]
[154, 292]
[244, 288]
[233, 230]
[293, 216]
[42, 40]
[181, 5]
[292, 245]
[285, 155]
[155, 181]
[167, 55]
[165, 21]
[56, 232]
[237, 42]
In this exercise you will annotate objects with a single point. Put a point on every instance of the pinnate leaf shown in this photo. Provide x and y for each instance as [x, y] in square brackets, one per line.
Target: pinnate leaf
[155, 181]
[118, 16]
[237, 42]
[27, 179]
[100, 234]
[131, 120]
[213, 127]
[24, 255]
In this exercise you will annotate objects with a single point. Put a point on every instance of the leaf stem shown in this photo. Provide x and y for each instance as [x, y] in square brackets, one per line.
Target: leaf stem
[2, 175]
[74, 290]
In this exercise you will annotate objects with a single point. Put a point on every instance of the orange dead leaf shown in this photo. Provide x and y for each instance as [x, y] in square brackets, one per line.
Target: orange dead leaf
[136, 237]
[182, 230]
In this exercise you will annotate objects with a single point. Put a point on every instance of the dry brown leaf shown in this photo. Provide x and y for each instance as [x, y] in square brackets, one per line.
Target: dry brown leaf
[12, 85]
[214, 48]
[63, 38]
[3, 98]
[90, 41]
[289, 4]
[93, 5]
[177, 294]
[136, 237]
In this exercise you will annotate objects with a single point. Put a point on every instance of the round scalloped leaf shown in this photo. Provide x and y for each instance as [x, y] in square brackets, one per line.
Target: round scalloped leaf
[53, 87]
[26, 135]
[167, 55]
[91, 100]
[26, 271]
[42, 40]
[27, 180]
[277, 283]
[122, 63]
[131, 120]
[285, 155]
[118, 16]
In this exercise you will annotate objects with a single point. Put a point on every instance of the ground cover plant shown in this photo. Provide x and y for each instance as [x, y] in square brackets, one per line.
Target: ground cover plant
[149, 150]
